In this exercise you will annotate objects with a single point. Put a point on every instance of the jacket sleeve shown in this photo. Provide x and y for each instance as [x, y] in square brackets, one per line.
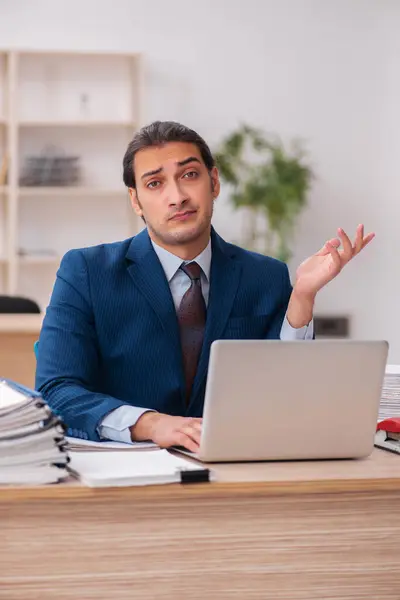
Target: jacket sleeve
[284, 290]
[68, 363]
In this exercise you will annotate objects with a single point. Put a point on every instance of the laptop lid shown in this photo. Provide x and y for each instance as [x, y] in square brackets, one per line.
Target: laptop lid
[274, 400]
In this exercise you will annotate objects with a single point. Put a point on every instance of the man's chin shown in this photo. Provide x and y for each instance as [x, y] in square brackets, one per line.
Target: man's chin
[184, 233]
[185, 237]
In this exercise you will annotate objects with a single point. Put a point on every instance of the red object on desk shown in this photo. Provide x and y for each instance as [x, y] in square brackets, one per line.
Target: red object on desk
[391, 425]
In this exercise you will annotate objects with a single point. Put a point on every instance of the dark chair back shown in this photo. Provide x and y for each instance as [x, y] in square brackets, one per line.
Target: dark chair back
[18, 305]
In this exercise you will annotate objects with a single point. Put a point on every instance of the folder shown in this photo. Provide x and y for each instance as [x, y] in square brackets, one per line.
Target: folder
[144, 467]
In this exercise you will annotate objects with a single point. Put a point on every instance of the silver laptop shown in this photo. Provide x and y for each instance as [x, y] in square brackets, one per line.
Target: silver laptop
[273, 400]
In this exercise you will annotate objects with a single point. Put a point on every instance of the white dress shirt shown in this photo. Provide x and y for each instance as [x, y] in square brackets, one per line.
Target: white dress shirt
[115, 426]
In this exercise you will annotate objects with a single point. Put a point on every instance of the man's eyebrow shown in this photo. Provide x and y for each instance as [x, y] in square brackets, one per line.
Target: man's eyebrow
[181, 163]
[186, 161]
[149, 173]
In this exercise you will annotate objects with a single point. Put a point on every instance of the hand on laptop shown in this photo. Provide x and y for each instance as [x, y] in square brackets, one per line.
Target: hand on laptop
[165, 430]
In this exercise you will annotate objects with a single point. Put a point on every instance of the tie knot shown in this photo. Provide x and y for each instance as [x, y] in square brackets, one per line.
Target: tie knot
[192, 270]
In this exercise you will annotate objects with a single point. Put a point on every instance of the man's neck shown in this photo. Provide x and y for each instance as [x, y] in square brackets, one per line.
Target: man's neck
[187, 251]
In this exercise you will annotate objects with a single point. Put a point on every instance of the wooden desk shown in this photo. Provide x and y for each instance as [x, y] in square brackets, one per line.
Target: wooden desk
[17, 336]
[281, 531]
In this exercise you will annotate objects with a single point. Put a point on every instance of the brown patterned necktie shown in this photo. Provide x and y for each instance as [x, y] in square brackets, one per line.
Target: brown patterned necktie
[192, 319]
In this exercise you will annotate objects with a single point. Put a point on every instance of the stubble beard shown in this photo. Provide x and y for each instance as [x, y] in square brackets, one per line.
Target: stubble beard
[184, 235]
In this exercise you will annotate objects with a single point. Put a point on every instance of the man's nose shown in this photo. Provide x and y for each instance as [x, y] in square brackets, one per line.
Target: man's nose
[176, 194]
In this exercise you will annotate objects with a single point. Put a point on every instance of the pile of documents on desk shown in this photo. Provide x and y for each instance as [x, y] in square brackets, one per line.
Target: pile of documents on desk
[388, 434]
[32, 442]
[390, 399]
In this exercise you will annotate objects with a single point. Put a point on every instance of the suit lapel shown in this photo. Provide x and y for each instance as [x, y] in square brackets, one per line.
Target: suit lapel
[224, 280]
[148, 276]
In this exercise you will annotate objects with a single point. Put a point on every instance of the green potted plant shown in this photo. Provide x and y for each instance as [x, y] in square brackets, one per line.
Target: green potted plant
[271, 182]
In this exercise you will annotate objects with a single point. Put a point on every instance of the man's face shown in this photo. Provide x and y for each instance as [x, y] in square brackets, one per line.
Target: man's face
[174, 193]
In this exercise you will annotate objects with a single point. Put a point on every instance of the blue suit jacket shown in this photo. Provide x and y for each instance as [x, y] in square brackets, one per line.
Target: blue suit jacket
[110, 334]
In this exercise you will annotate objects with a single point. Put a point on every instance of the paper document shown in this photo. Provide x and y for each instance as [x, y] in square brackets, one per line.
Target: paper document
[10, 397]
[32, 443]
[115, 469]
[76, 444]
[392, 370]
[390, 398]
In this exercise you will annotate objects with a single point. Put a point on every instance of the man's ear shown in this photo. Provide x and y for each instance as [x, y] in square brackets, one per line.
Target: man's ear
[215, 183]
[135, 202]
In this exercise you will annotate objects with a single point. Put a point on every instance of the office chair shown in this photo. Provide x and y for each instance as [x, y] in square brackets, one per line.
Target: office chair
[18, 305]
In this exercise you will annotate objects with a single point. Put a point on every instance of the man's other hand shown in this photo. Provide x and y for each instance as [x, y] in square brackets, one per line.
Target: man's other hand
[165, 430]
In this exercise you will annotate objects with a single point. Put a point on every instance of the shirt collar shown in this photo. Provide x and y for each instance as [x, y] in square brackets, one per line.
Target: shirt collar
[171, 263]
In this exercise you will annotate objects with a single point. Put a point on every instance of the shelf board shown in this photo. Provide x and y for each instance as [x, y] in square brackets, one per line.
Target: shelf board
[74, 191]
[26, 323]
[78, 53]
[33, 259]
[66, 123]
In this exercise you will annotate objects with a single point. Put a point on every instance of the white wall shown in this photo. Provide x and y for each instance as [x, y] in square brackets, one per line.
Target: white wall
[325, 70]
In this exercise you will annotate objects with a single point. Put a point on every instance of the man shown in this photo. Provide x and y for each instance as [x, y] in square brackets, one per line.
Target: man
[125, 343]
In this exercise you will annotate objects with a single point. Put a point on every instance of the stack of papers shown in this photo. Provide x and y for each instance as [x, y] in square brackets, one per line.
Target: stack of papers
[390, 399]
[32, 442]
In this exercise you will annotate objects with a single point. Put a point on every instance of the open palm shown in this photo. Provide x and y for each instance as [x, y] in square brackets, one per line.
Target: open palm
[320, 268]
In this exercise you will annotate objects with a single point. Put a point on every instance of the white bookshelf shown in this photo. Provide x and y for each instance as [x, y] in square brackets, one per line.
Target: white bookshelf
[85, 124]
[32, 259]
[85, 105]
[71, 192]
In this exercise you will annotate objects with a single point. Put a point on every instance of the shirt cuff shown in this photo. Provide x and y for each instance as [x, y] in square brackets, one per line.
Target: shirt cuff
[289, 333]
[115, 426]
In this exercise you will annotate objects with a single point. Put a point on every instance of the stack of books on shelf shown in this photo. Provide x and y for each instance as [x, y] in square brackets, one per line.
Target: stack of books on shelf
[32, 441]
[388, 433]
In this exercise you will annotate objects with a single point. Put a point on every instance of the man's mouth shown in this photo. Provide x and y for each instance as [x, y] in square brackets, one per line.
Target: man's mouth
[182, 216]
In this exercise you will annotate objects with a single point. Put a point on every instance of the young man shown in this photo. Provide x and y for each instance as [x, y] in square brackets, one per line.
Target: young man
[125, 343]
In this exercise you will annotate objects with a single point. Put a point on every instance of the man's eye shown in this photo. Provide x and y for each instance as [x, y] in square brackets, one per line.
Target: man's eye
[191, 174]
[153, 184]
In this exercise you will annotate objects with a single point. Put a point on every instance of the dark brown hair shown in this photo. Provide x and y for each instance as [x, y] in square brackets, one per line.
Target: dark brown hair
[158, 134]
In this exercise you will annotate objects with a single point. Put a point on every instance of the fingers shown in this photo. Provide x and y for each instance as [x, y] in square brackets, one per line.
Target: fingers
[367, 240]
[192, 430]
[350, 250]
[347, 253]
[335, 257]
[186, 441]
[196, 427]
[357, 246]
[360, 241]
[188, 434]
[326, 247]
